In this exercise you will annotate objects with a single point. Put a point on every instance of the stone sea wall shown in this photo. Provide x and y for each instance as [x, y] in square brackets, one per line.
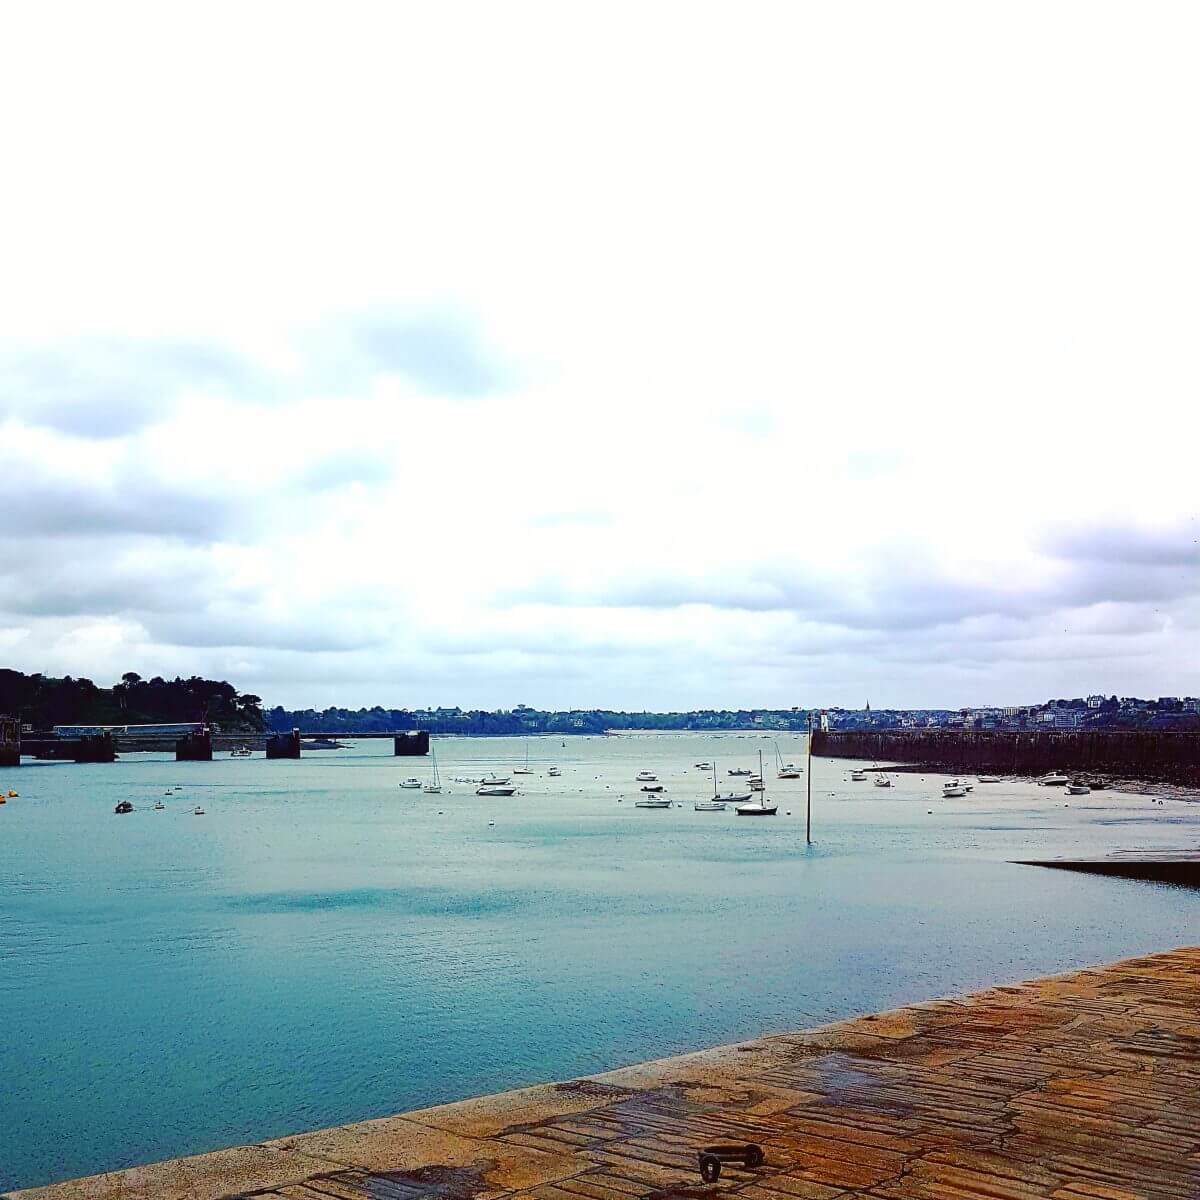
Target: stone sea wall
[1131, 754]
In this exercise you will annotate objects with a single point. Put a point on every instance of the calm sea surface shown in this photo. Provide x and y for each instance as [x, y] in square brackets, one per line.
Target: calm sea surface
[322, 946]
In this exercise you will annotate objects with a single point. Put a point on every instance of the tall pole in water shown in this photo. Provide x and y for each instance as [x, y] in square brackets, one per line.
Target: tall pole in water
[808, 818]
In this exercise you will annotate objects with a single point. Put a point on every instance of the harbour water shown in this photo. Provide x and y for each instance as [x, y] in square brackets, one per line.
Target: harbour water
[322, 946]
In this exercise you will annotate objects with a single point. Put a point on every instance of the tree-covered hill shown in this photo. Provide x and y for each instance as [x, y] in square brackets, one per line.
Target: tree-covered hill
[40, 701]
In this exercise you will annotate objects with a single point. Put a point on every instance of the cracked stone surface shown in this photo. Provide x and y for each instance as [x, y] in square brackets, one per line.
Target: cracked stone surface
[1079, 1087]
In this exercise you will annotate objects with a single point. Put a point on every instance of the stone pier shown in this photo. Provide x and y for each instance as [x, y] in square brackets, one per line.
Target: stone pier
[1083, 1086]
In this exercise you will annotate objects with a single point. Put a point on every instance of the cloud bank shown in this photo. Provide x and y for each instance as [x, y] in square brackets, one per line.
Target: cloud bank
[830, 355]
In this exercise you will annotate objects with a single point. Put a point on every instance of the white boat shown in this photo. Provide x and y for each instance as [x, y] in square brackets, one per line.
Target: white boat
[756, 784]
[411, 784]
[703, 766]
[240, 752]
[159, 805]
[554, 772]
[434, 787]
[1078, 788]
[495, 789]
[525, 770]
[1054, 779]
[858, 775]
[881, 780]
[759, 807]
[494, 780]
[709, 806]
[653, 787]
[739, 771]
[785, 770]
[988, 778]
[197, 811]
[952, 789]
[655, 803]
[645, 777]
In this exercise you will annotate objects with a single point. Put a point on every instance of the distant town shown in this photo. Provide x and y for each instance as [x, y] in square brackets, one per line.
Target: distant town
[1092, 712]
[41, 702]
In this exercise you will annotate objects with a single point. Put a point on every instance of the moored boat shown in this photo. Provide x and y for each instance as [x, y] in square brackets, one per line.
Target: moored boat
[411, 784]
[124, 806]
[952, 789]
[858, 775]
[881, 780]
[1053, 779]
[495, 789]
[1077, 787]
[434, 787]
[655, 803]
[759, 807]
[645, 777]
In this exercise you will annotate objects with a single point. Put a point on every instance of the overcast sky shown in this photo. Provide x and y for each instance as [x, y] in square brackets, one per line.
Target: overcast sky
[639, 355]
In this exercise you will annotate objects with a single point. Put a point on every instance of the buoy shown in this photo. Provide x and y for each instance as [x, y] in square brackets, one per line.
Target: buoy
[11, 794]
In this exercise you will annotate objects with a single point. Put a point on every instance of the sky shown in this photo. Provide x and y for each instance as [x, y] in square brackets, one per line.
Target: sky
[654, 355]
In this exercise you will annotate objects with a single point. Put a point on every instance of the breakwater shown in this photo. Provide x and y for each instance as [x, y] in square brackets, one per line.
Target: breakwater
[1132, 754]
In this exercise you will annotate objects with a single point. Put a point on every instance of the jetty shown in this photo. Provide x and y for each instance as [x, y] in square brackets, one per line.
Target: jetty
[1151, 755]
[1084, 1086]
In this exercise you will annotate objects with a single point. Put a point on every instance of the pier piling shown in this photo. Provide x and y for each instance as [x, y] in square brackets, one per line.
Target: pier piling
[411, 744]
[284, 745]
[10, 742]
[194, 747]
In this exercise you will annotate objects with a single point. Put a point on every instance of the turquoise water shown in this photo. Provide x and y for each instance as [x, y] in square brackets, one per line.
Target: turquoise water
[322, 946]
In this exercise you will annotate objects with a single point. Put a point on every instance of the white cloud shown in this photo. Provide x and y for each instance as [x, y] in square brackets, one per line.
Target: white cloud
[639, 356]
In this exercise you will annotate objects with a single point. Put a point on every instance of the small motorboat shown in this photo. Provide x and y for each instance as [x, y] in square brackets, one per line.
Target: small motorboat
[740, 771]
[709, 806]
[1078, 788]
[1054, 779]
[494, 780]
[858, 776]
[197, 811]
[653, 787]
[952, 789]
[881, 780]
[756, 784]
[495, 789]
[645, 777]
[657, 803]
[411, 783]
[11, 795]
[554, 772]
[125, 806]
[159, 805]
[988, 778]
[240, 752]
[703, 766]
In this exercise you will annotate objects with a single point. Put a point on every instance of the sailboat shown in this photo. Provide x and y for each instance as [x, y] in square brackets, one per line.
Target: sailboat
[759, 807]
[525, 770]
[785, 770]
[434, 788]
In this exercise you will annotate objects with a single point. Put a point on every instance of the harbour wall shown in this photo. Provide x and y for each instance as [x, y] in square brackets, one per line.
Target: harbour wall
[1154, 756]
